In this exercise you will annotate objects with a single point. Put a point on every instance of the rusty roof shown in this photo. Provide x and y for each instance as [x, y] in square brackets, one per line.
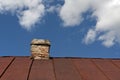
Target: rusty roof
[23, 68]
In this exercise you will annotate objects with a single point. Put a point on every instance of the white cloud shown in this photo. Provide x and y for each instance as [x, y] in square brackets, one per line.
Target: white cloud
[71, 11]
[28, 18]
[90, 36]
[107, 12]
[108, 23]
[53, 9]
[29, 12]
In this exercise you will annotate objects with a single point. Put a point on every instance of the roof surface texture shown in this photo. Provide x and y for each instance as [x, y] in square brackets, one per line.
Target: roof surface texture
[23, 68]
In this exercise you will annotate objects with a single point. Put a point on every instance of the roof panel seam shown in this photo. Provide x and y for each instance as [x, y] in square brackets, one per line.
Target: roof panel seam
[100, 69]
[54, 69]
[29, 70]
[77, 69]
[115, 64]
[7, 67]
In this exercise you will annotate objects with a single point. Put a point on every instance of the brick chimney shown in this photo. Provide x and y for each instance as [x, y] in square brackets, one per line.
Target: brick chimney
[40, 49]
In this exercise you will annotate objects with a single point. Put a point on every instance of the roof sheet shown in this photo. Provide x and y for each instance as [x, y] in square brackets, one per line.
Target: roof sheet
[23, 68]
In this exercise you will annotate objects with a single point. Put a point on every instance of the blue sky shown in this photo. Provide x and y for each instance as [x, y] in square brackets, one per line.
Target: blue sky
[79, 36]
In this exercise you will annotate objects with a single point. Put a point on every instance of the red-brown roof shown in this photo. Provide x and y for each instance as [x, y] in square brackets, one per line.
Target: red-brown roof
[23, 68]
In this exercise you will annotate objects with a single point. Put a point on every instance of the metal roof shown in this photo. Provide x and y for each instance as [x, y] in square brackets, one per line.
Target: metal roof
[23, 68]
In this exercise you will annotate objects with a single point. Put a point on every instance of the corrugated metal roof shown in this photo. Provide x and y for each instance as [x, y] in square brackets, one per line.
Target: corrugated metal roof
[23, 68]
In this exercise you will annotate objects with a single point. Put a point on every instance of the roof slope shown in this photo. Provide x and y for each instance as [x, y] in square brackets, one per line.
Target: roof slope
[23, 68]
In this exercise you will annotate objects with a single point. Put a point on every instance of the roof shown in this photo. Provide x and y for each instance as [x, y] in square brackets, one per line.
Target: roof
[23, 68]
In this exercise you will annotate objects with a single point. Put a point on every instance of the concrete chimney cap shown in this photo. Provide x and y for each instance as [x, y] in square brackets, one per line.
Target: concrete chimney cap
[40, 42]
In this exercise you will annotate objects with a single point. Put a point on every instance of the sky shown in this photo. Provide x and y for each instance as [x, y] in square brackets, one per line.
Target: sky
[75, 28]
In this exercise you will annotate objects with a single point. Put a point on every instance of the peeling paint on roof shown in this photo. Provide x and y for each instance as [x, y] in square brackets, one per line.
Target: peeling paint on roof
[23, 68]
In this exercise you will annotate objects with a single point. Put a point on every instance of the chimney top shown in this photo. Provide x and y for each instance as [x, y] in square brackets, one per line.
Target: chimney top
[40, 42]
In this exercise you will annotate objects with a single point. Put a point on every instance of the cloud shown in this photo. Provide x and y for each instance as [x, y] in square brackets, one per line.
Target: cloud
[108, 23]
[29, 12]
[71, 11]
[53, 9]
[107, 27]
[90, 36]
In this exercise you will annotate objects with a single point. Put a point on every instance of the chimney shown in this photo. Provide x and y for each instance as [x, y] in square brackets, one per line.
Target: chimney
[40, 49]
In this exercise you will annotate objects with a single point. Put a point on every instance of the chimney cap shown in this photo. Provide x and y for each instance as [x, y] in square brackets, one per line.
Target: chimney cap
[40, 42]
